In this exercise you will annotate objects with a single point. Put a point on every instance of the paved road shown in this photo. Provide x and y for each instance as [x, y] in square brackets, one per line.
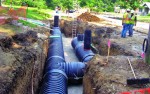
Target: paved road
[69, 57]
[140, 25]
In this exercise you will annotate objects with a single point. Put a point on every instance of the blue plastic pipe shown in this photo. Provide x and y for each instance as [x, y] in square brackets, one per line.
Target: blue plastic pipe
[83, 55]
[74, 70]
[57, 71]
[55, 81]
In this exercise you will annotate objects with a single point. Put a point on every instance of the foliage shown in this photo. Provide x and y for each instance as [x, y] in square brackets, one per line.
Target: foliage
[144, 18]
[96, 5]
[148, 14]
[132, 4]
[30, 3]
[25, 23]
[37, 14]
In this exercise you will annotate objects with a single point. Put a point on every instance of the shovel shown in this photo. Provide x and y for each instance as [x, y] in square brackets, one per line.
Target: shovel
[135, 80]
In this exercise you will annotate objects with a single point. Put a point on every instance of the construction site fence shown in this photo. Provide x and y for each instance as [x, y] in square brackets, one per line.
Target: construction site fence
[7, 13]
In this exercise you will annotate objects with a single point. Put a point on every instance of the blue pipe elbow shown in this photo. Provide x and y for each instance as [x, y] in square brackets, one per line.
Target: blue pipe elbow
[74, 70]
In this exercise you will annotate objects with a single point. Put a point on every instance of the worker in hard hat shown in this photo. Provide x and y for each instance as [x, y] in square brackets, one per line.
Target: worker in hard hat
[125, 23]
[133, 20]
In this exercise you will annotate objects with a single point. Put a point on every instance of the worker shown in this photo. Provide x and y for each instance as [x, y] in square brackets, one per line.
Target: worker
[133, 20]
[57, 9]
[125, 23]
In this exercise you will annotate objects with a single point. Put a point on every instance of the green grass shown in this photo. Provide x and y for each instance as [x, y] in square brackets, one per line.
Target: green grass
[143, 18]
[38, 14]
[139, 18]
[35, 13]
[25, 23]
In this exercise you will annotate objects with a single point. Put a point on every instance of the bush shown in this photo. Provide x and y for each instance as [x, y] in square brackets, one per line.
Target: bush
[148, 14]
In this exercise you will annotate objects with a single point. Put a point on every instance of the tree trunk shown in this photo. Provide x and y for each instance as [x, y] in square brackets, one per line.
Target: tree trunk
[0, 2]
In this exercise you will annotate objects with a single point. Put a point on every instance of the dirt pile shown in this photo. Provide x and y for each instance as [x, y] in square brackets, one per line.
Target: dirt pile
[89, 17]
[66, 27]
[110, 78]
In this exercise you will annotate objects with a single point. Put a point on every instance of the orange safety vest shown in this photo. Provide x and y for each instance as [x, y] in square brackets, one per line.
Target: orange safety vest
[126, 18]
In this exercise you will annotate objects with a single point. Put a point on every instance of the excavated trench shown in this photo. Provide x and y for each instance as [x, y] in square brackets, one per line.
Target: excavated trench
[110, 77]
[23, 58]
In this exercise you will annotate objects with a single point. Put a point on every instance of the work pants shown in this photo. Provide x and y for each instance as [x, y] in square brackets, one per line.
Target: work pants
[131, 30]
[124, 30]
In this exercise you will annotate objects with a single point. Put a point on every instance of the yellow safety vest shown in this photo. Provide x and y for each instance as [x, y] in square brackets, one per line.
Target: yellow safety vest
[132, 20]
[126, 18]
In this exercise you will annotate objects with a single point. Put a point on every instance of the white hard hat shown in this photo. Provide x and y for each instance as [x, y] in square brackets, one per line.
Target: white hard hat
[132, 11]
[128, 9]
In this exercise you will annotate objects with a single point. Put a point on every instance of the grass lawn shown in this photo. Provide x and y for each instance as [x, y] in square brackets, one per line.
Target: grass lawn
[38, 14]
[143, 18]
[35, 13]
[139, 18]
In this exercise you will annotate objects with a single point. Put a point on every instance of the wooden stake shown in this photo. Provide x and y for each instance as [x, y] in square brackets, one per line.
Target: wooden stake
[131, 67]
[108, 53]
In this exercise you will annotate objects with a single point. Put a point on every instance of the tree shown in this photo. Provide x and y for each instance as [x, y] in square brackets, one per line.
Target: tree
[132, 4]
[146, 0]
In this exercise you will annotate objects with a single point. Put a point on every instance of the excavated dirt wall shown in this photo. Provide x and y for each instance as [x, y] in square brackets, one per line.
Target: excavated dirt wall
[22, 61]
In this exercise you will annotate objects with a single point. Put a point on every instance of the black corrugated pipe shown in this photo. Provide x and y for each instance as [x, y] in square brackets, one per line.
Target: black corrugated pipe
[87, 39]
[55, 81]
[82, 54]
[80, 37]
[55, 78]
[56, 21]
[74, 70]
[57, 71]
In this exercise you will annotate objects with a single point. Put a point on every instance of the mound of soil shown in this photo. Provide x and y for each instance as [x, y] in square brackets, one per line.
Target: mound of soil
[110, 77]
[89, 17]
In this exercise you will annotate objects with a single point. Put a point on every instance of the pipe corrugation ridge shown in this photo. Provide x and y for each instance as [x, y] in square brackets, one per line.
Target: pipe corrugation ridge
[55, 82]
[73, 69]
[55, 78]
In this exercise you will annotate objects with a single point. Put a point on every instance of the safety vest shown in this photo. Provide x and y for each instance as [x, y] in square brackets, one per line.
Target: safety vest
[132, 20]
[126, 18]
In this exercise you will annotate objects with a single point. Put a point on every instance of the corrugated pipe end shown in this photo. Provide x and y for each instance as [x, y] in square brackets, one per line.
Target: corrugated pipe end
[87, 39]
[55, 82]
[80, 37]
[56, 21]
